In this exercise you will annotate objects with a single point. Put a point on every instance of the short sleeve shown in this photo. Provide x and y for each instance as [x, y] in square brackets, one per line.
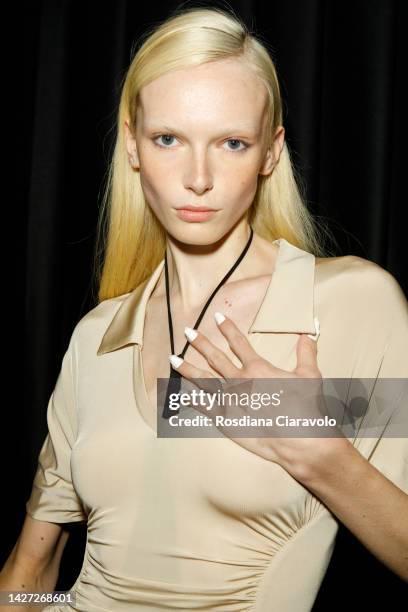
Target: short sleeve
[53, 497]
[389, 453]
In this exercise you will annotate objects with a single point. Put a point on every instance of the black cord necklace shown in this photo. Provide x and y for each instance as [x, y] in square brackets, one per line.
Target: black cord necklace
[175, 376]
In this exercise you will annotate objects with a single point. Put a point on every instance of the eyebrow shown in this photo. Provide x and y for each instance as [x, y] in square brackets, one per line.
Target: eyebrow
[238, 127]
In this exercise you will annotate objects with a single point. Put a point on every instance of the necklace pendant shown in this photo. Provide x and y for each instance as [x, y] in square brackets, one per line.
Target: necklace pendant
[173, 387]
[174, 373]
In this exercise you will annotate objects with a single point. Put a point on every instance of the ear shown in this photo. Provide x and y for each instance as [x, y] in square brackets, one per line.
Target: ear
[273, 153]
[131, 146]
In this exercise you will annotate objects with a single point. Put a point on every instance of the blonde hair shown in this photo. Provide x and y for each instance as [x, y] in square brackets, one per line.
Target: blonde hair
[130, 240]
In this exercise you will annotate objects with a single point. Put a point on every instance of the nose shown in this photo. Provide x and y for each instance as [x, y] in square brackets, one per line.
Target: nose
[198, 175]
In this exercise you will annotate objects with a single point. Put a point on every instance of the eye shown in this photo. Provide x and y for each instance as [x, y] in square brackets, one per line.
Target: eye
[236, 140]
[167, 137]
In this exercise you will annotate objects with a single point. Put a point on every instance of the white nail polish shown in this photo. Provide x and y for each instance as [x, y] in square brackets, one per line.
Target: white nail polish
[219, 317]
[175, 361]
[190, 333]
[317, 328]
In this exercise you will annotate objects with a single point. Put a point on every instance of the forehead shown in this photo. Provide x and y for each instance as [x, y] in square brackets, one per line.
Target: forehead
[221, 91]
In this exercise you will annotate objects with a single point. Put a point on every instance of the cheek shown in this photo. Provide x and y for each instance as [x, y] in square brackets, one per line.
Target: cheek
[240, 183]
[156, 177]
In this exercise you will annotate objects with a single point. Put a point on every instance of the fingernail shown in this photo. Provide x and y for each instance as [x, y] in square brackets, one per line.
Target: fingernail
[219, 317]
[190, 333]
[175, 361]
[317, 328]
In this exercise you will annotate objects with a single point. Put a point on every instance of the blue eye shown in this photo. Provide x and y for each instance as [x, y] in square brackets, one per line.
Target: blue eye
[167, 137]
[236, 140]
[163, 136]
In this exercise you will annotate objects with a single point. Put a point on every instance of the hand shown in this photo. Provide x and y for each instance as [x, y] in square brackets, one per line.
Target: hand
[290, 453]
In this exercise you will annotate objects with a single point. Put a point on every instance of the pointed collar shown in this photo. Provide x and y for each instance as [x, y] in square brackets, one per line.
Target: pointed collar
[288, 304]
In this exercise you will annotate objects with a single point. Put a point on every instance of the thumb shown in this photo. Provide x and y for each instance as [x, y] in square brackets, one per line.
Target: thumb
[307, 349]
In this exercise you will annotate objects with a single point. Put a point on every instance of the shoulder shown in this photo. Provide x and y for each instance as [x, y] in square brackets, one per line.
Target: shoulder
[360, 280]
[90, 329]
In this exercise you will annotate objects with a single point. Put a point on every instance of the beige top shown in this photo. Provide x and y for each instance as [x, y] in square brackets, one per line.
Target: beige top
[202, 523]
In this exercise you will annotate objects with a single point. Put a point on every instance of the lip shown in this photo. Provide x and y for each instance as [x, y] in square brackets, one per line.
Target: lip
[196, 208]
[195, 215]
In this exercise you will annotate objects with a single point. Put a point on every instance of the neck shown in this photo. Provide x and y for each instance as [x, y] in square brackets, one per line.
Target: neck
[195, 271]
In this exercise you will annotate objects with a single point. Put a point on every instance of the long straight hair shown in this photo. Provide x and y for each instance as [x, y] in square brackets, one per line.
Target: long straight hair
[130, 240]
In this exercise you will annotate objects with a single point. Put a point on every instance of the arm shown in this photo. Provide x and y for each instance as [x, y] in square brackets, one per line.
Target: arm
[372, 507]
[35, 559]
[33, 564]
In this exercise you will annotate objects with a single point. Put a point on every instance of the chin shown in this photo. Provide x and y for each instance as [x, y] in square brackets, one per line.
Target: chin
[196, 234]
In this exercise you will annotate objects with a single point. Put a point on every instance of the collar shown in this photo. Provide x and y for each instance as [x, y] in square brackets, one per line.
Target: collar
[287, 305]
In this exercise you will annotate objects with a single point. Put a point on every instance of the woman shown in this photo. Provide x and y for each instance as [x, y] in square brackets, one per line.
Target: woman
[212, 523]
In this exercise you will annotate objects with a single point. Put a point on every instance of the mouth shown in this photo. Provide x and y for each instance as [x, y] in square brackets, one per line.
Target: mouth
[196, 208]
[195, 214]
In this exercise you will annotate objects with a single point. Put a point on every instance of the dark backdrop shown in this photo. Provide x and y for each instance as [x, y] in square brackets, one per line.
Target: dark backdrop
[340, 65]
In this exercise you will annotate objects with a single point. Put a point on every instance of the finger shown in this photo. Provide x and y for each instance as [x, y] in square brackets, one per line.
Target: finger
[191, 372]
[216, 358]
[306, 352]
[201, 380]
[237, 341]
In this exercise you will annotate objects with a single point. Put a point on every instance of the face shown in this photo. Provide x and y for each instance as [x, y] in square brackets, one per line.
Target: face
[199, 142]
